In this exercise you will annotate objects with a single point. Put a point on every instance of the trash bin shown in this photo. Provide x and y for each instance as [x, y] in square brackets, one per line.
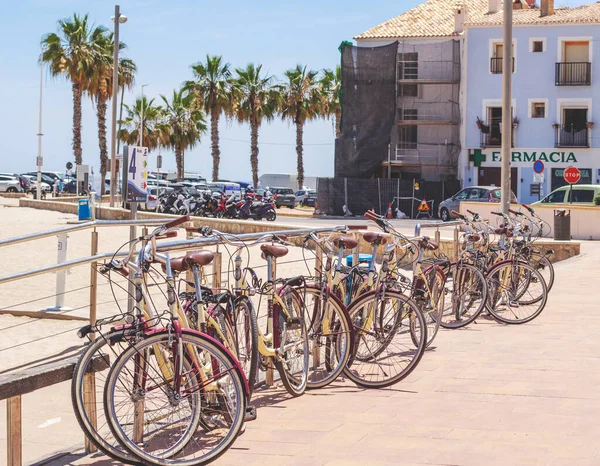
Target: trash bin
[362, 259]
[562, 224]
[84, 209]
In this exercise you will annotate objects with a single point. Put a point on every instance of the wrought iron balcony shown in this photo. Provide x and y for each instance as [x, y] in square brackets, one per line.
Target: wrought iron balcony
[574, 74]
[571, 135]
[496, 65]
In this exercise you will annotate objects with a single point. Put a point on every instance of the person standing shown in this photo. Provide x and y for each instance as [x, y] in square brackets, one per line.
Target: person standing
[55, 189]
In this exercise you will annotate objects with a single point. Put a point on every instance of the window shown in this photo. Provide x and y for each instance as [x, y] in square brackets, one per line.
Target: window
[463, 194]
[408, 90]
[581, 195]
[407, 137]
[497, 55]
[410, 114]
[475, 194]
[538, 46]
[557, 196]
[408, 66]
[538, 110]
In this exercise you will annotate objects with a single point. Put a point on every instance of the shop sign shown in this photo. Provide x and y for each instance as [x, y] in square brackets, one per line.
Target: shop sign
[533, 156]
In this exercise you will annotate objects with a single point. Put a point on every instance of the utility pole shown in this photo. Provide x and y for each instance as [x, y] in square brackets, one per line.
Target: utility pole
[507, 70]
[117, 19]
[39, 161]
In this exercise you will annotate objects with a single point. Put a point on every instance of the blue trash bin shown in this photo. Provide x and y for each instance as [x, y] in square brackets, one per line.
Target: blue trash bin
[84, 211]
[362, 259]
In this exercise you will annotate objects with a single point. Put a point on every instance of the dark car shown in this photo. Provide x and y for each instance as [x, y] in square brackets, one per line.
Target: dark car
[284, 197]
[310, 199]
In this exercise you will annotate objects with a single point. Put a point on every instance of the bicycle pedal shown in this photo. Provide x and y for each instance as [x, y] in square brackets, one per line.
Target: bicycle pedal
[250, 414]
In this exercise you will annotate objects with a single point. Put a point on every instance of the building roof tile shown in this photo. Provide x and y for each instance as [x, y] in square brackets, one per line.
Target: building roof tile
[435, 18]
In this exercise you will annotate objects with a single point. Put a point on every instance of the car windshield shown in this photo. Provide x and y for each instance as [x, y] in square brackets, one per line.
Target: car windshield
[496, 195]
[284, 191]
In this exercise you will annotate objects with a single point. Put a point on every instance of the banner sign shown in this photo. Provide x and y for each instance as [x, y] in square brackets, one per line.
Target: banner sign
[137, 174]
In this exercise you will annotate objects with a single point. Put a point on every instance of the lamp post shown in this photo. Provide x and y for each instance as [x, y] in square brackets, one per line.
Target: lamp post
[118, 18]
[507, 117]
[39, 135]
[142, 117]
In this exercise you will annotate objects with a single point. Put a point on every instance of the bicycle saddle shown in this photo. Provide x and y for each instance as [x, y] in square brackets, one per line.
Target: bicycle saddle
[372, 237]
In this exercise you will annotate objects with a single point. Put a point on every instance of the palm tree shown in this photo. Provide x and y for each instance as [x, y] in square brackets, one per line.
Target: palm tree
[71, 53]
[302, 101]
[331, 84]
[211, 91]
[255, 99]
[153, 127]
[182, 126]
[100, 87]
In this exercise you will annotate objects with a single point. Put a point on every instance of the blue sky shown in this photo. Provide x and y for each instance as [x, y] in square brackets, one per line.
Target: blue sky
[165, 38]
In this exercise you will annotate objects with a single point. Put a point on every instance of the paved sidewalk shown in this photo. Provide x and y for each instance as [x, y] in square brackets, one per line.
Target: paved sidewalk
[486, 395]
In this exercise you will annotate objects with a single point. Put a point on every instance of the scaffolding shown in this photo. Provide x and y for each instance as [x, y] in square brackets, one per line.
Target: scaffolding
[425, 140]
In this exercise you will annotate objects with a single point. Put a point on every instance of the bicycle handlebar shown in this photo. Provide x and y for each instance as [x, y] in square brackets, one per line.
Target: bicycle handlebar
[176, 222]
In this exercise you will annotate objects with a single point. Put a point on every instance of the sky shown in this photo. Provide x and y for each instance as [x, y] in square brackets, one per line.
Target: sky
[164, 38]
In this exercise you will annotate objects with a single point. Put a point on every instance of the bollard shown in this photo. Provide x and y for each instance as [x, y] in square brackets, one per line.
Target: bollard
[89, 380]
[14, 431]
[437, 236]
[356, 251]
[456, 243]
[217, 268]
[60, 276]
[270, 375]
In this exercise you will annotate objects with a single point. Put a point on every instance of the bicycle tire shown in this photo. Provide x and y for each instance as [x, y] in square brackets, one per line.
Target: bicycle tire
[431, 306]
[100, 436]
[290, 325]
[515, 285]
[330, 349]
[464, 282]
[246, 347]
[366, 361]
[212, 355]
[544, 267]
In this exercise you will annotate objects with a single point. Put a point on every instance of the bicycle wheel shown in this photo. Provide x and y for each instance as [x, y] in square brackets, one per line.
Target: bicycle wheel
[246, 338]
[517, 292]
[430, 302]
[543, 265]
[290, 339]
[466, 292]
[158, 423]
[384, 352]
[330, 336]
[87, 398]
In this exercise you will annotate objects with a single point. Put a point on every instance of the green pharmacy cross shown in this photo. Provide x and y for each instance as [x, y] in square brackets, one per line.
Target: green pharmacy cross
[477, 157]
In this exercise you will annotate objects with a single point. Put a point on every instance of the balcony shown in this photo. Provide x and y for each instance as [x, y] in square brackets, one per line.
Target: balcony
[571, 135]
[574, 74]
[494, 138]
[428, 72]
[496, 65]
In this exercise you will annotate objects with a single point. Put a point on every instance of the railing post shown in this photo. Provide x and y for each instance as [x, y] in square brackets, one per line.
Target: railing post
[217, 268]
[14, 431]
[456, 242]
[270, 375]
[189, 275]
[60, 275]
[89, 380]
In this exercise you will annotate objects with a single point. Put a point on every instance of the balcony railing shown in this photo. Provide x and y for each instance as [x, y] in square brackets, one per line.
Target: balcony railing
[574, 74]
[494, 139]
[496, 65]
[571, 136]
[429, 72]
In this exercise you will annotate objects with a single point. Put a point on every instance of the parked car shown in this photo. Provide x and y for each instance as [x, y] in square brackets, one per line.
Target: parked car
[470, 194]
[33, 180]
[310, 200]
[301, 194]
[45, 178]
[10, 184]
[578, 194]
[23, 181]
[284, 197]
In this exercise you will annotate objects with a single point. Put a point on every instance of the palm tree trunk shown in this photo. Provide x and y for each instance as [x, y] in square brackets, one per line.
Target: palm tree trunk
[182, 165]
[214, 140]
[254, 151]
[101, 114]
[299, 132]
[337, 121]
[77, 122]
[178, 163]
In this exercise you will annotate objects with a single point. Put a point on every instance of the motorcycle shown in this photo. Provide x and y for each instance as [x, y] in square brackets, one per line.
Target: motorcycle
[227, 207]
[257, 210]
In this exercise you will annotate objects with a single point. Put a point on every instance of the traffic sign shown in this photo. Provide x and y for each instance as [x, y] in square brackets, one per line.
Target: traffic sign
[572, 175]
[538, 177]
[538, 166]
[69, 165]
[423, 207]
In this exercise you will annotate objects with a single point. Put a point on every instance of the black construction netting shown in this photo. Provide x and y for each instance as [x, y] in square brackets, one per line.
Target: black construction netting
[368, 102]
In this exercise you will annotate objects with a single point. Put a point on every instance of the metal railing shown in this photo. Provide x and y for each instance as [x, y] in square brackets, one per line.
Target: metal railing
[496, 65]
[573, 74]
[494, 139]
[571, 136]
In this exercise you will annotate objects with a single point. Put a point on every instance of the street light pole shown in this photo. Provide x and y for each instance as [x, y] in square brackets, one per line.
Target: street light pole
[39, 161]
[118, 19]
[507, 70]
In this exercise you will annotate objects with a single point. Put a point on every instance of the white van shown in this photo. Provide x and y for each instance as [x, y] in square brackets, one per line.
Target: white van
[225, 187]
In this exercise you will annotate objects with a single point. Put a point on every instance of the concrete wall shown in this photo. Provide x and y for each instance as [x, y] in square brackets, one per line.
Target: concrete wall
[585, 221]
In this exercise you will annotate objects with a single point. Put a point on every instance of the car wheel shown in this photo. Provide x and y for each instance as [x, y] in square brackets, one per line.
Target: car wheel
[290, 207]
[11, 190]
[444, 214]
[278, 206]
